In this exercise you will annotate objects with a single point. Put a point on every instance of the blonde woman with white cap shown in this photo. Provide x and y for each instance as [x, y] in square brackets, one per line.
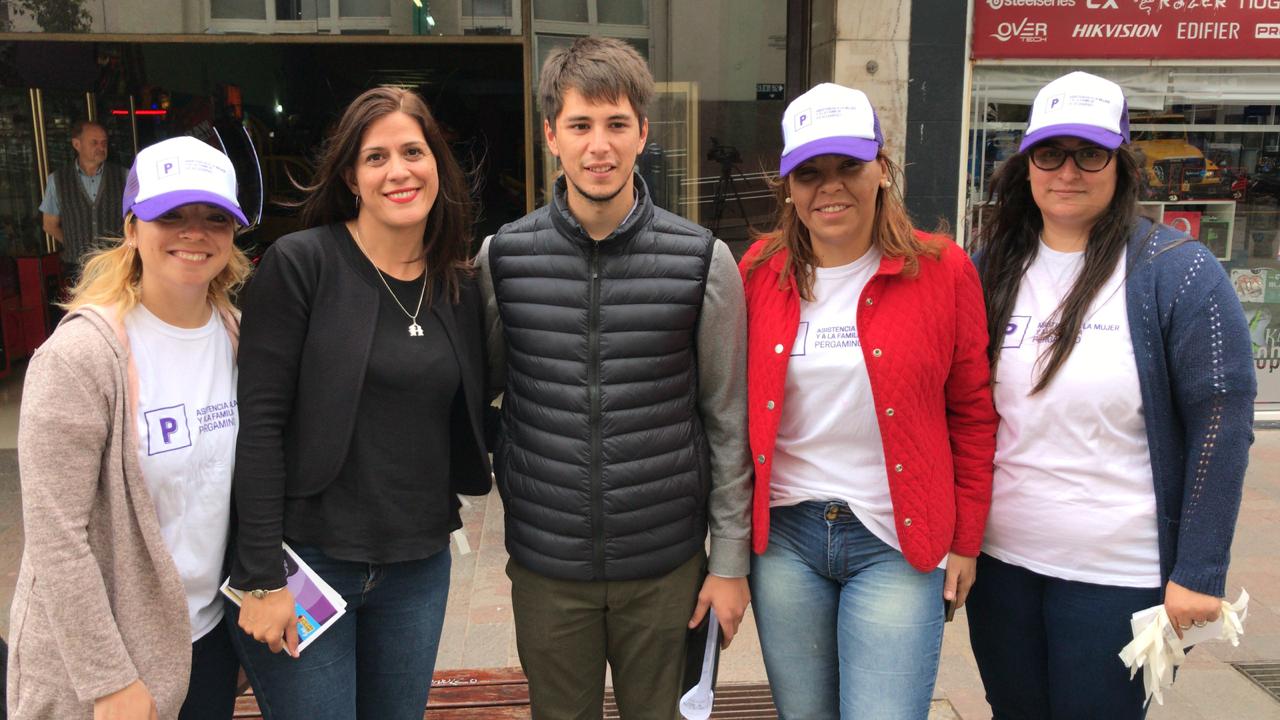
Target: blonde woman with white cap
[1125, 385]
[126, 444]
[870, 420]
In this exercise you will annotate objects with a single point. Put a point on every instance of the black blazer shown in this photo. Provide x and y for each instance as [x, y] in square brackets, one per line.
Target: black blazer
[307, 329]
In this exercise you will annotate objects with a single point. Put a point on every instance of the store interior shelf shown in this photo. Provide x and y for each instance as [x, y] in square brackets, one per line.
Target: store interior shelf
[1212, 222]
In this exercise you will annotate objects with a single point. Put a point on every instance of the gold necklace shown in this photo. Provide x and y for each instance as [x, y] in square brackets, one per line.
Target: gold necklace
[415, 330]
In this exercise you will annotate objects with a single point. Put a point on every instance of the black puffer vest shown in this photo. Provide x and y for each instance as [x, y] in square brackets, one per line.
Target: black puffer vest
[602, 461]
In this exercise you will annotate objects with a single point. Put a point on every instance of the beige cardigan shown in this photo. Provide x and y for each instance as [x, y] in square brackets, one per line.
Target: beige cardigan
[98, 603]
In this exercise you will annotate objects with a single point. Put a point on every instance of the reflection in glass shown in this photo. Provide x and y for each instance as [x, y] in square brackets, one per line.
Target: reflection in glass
[238, 9]
[560, 10]
[20, 189]
[302, 9]
[486, 8]
[364, 8]
[623, 12]
[62, 110]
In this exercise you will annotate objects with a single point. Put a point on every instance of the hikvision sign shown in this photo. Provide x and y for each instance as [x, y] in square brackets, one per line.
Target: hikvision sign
[1143, 29]
[1116, 30]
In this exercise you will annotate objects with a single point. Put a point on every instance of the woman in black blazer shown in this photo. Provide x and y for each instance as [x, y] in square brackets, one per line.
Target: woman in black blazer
[361, 415]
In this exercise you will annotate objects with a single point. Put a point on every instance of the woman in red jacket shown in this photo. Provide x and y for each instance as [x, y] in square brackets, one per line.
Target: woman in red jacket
[871, 425]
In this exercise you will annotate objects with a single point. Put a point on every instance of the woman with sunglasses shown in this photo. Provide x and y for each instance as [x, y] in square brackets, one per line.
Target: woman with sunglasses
[1125, 385]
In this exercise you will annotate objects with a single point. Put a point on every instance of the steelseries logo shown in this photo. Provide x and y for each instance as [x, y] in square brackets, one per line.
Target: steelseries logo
[997, 4]
[1024, 30]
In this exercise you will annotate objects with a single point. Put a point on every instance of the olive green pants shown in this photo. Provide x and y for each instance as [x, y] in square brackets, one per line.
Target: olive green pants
[567, 630]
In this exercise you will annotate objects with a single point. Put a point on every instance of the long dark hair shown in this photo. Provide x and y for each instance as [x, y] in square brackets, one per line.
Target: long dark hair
[446, 242]
[1010, 240]
[892, 232]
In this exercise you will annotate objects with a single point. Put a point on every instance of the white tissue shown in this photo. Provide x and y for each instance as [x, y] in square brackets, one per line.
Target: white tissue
[1157, 650]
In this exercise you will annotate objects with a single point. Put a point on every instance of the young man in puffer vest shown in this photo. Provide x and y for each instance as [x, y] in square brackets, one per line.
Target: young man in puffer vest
[617, 332]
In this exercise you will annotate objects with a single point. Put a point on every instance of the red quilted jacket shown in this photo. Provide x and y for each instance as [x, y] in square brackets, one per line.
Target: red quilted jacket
[925, 341]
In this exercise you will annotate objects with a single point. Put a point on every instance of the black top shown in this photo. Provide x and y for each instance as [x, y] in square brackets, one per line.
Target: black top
[306, 344]
[391, 500]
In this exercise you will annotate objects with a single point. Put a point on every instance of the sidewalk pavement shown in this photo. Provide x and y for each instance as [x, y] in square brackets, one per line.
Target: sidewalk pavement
[478, 631]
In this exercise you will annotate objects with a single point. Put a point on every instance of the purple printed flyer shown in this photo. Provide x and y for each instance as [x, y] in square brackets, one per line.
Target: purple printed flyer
[318, 606]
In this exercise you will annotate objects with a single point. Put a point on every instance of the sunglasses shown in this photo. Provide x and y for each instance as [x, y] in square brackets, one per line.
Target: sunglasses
[1089, 158]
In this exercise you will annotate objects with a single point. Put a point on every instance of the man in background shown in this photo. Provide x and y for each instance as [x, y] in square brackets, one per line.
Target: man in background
[82, 200]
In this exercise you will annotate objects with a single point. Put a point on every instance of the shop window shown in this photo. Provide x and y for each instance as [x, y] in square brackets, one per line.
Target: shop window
[561, 10]
[623, 12]
[1207, 141]
[301, 9]
[593, 12]
[238, 9]
[486, 8]
[364, 8]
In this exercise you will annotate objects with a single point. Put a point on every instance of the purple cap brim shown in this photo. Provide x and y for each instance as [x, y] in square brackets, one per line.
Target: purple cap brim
[1104, 138]
[860, 148]
[153, 208]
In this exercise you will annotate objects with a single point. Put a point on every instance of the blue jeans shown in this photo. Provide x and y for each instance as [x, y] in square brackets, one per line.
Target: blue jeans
[1049, 648]
[848, 628]
[375, 663]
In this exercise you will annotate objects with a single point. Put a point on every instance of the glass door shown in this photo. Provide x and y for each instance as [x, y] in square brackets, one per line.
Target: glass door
[20, 182]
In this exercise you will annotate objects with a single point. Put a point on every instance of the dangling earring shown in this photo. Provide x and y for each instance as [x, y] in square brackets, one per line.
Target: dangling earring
[357, 201]
[787, 200]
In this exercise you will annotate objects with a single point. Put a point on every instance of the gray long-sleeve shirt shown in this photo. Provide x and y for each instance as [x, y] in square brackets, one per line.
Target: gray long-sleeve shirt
[722, 401]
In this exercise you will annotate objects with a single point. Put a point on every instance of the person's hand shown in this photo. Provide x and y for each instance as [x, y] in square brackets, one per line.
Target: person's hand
[132, 702]
[271, 620]
[1188, 608]
[729, 597]
[961, 572]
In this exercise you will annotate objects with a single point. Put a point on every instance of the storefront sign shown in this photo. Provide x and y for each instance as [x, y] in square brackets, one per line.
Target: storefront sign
[1126, 28]
[770, 91]
[1265, 336]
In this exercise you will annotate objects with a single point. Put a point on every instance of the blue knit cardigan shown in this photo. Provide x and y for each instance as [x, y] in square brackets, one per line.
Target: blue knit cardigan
[1196, 373]
[1196, 370]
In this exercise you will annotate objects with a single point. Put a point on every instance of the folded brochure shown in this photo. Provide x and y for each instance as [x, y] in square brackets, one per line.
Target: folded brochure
[318, 606]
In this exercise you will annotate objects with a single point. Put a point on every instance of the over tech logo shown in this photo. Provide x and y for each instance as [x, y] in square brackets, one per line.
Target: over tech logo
[1025, 30]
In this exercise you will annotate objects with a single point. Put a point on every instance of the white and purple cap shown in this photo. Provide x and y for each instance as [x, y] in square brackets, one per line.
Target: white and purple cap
[1082, 106]
[830, 119]
[180, 171]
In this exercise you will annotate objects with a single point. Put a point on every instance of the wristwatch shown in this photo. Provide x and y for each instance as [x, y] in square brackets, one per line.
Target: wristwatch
[261, 593]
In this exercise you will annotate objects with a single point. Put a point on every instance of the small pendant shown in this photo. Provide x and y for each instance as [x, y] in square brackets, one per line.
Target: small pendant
[415, 330]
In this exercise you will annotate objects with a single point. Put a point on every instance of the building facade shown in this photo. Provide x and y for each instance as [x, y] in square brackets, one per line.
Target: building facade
[952, 81]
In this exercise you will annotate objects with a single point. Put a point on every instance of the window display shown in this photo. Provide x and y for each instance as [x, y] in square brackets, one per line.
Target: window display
[1208, 144]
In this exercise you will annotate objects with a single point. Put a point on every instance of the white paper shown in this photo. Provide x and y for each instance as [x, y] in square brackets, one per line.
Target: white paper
[318, 605]
[696, 704]
[1156, 649]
